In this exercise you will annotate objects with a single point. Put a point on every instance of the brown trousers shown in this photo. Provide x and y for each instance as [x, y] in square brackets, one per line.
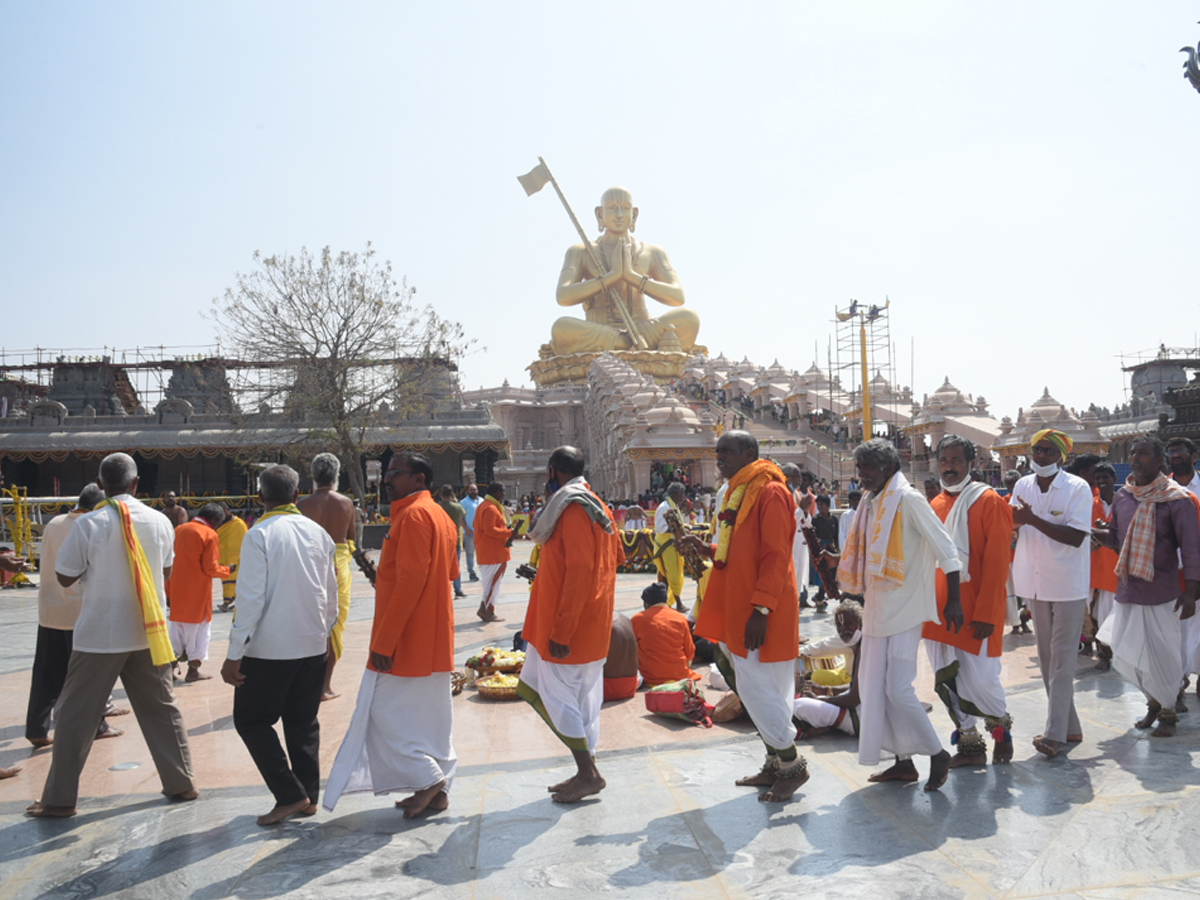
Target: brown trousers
[90, 679]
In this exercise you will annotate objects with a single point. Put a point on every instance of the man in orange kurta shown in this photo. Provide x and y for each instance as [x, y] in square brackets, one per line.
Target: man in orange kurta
[664, 640]
[493, 537]
[400, 736]
[190, 587]
[966, 663]
[751, 605]
[569, 620]
[1104, 560]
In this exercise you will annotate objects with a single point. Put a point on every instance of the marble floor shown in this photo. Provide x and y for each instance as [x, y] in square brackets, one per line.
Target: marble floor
[1114, 817]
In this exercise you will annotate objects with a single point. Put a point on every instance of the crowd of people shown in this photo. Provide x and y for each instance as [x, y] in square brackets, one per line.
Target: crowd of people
[1116, 568]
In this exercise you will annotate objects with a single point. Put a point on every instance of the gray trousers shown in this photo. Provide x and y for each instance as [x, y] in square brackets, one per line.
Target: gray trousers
[90, 679]
[1058, 625]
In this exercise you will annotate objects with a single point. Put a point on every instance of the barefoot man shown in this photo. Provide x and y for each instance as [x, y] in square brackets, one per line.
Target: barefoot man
[493, 538]
[197, 549]
[895, 546]
[278, 644]
[568, 625]
[335, 514]
[751, 606]
[1156, 525]
[966, 664]
[400, 736]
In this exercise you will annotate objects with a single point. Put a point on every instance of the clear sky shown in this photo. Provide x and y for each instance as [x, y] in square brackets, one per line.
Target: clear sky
[1020, 179]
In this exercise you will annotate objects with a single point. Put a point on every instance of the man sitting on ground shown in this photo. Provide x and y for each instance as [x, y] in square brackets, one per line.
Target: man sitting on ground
[664, 640]
[817, 715]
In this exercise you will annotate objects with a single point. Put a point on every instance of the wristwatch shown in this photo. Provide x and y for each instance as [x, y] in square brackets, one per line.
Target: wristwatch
[764, 610]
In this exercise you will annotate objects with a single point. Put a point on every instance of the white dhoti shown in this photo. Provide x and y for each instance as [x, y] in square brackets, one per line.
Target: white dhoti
[492, 576]
[1189, 631]
[767, 691]
[1102, 607]
[1145, 642]
[800, 559]
[819, 714]
[1012, 609]
[190, 638]
[974, 690]
[568, 697]
[398, 740]
[892, 718]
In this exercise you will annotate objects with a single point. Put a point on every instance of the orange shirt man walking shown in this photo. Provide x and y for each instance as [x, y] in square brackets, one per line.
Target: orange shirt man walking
[190, 587]
[493, 537]
[569, 621]
[400, 736]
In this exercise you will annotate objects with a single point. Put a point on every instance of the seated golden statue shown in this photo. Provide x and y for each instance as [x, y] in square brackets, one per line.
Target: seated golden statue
[634, 271]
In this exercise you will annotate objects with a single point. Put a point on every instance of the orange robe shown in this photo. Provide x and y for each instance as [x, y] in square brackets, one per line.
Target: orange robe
[191, 584]
[414, 602]
[664, 644]
[572, 598]
[759, 572]
[985, 596]
[1104, 559]
[491, 535]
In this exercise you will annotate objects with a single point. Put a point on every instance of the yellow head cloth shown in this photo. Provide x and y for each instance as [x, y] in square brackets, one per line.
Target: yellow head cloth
[1062, 441]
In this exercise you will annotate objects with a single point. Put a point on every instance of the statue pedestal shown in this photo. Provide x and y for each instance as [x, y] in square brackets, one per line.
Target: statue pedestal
[661, 365]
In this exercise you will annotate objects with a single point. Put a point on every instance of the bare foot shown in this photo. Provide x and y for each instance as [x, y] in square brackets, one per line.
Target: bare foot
[968, 759]
[183, 796]
[562, 785]
[939, 768]
[310, 810]
[38, 811]
[900, 770]
[1002, 753]
[329, 695]
[280, 813]
[1103, 664]
[582, 786]
[492, 617]
[110, 733]
[1074, 738]
[1180, 703]
[764, 777]
[416, 804]
[116, 711]
[194, 675]
[9, 773]
[784, 788]
[1166, 728]
[1047, 747]
[441, 800]
[1149, 719]
[38, 743]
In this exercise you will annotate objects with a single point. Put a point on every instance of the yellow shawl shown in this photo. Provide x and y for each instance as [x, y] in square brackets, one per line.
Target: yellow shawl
[155, 622]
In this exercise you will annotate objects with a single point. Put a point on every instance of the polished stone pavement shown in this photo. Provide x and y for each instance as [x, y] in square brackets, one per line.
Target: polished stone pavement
[1114, 817]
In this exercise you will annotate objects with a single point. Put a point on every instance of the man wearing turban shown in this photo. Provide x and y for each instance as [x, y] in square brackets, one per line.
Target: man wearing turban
[1052, 572]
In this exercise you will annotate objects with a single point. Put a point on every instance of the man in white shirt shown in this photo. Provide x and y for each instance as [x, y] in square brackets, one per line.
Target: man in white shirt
[58, 608]
[847, 517]
[1052, 573]
[892, 554]
[111, 641]
[279, 644]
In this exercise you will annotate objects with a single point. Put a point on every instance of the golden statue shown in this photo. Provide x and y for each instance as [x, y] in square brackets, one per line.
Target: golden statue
[634, 271]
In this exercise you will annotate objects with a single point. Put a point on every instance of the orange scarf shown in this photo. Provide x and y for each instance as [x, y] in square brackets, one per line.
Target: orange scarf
[742, 494]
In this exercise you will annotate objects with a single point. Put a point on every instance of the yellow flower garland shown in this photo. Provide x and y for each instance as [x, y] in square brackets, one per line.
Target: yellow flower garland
[726, 519]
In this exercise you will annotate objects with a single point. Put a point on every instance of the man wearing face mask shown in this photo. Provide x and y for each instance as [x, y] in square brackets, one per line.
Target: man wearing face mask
[966, 664]
[1052, 574]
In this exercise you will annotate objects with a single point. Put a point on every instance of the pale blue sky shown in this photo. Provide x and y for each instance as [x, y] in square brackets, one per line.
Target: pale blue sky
[1019, 178]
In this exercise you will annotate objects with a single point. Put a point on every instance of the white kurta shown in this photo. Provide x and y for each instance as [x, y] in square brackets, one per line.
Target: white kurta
[398, 740]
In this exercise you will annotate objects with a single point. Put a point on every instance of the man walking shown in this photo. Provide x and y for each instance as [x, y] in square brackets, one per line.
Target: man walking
[287, 606]
[1052, 573]
[470, 505]
[667, 559]
[121, 633]
[197, 548]
[400, 736]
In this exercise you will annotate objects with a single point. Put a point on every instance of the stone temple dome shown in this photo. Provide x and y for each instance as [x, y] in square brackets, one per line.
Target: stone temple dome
[672, 411]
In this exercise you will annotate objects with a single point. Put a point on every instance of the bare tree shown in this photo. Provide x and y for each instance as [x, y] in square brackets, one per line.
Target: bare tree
[338, 345]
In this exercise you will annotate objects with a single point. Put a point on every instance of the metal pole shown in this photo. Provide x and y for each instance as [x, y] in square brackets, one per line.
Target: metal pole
[866, 388]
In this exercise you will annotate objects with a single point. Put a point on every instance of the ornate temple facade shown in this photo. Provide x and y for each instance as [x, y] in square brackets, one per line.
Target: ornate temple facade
[195, 439]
